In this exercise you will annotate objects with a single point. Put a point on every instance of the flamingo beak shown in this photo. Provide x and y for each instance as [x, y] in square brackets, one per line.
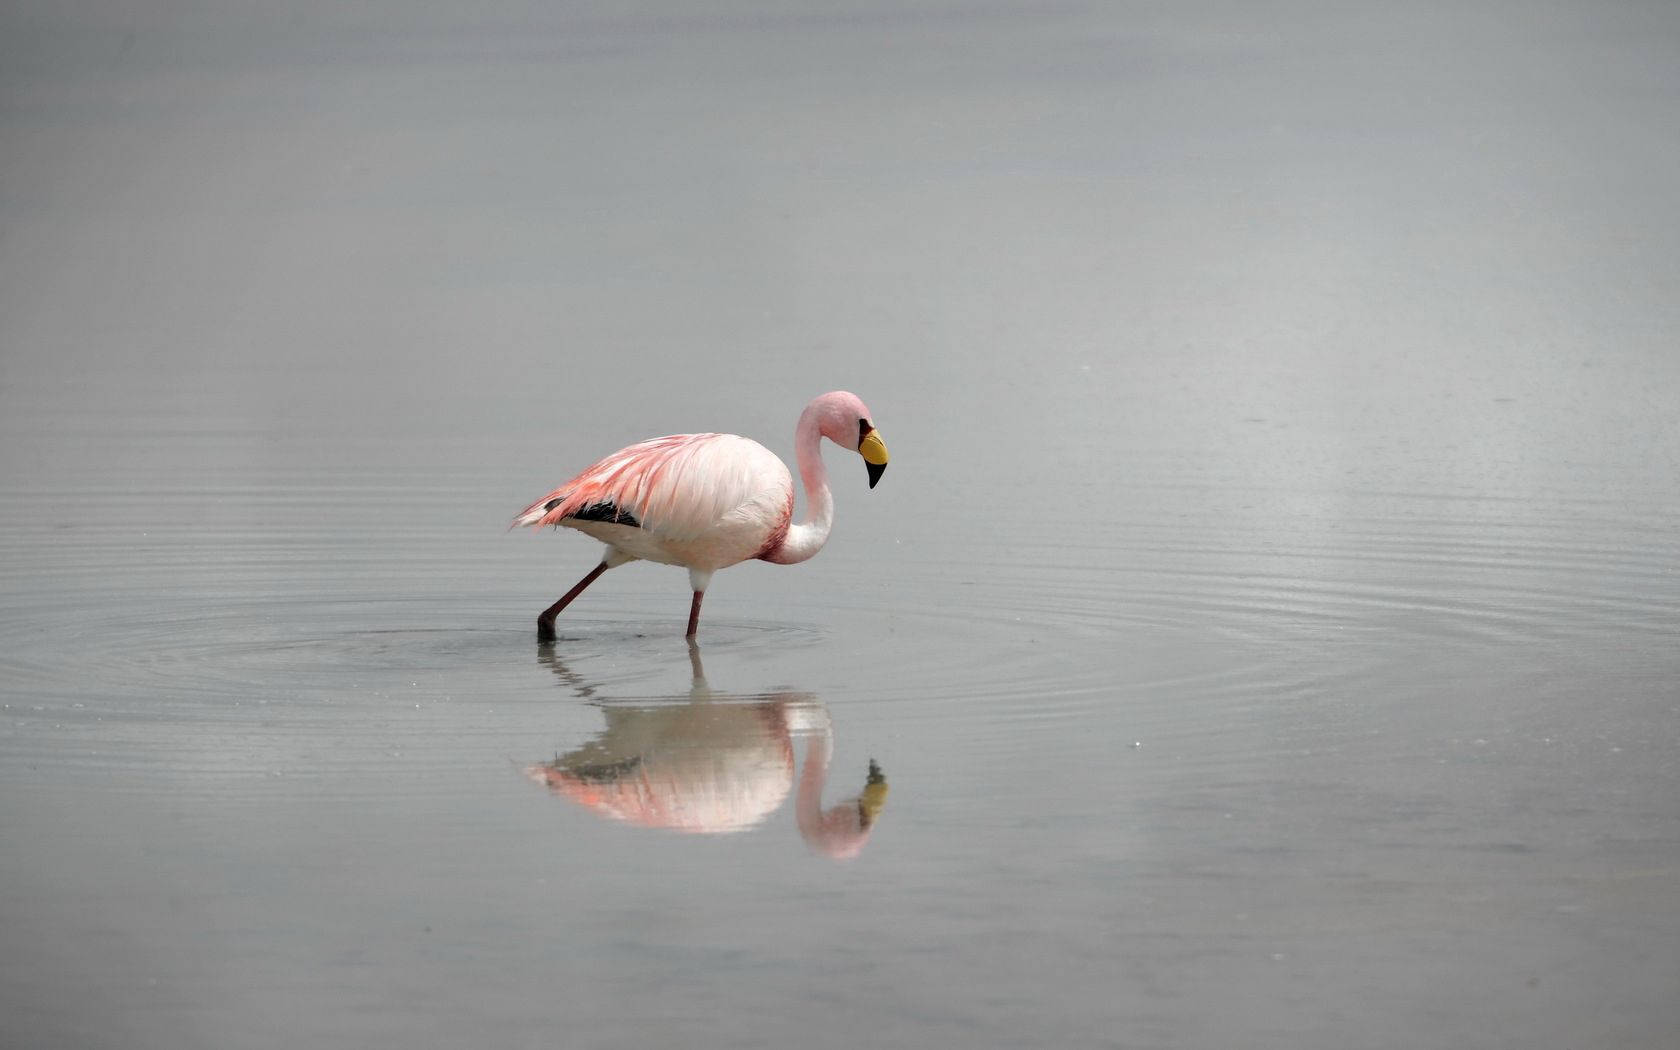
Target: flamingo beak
[874, 797]
[874, 453]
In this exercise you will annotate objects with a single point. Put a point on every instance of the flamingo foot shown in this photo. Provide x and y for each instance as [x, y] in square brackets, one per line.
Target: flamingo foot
[545, 622]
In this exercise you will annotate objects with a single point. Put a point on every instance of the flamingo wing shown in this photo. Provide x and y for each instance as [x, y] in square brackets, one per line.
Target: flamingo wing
[677, 487]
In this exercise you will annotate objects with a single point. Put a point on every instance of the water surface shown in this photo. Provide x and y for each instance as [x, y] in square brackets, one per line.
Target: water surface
[1265, 631]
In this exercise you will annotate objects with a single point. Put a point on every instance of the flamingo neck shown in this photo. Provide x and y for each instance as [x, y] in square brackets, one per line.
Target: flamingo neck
[839, 831]
[807, 802]
[807, 538]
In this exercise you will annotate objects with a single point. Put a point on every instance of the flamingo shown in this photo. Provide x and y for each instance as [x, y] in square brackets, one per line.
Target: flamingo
[713, 763]
[707, 501]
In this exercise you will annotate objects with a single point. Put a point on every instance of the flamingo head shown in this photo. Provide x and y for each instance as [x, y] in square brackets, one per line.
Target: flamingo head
[842, 830]
[844, 419]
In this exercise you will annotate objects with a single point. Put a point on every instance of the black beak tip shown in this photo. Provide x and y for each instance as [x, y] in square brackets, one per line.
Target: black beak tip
[875, 472]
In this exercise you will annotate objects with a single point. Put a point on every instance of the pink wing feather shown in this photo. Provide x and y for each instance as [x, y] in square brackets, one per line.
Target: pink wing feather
[677, 486]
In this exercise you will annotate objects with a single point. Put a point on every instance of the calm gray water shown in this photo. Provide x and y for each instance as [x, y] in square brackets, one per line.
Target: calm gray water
[1266, 629]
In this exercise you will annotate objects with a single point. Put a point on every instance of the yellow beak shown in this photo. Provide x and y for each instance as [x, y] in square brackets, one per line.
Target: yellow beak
[873, 449]
[874, 453]
[874, 797]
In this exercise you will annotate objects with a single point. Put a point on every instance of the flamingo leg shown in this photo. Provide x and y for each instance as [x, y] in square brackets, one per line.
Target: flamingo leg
[694, 615]
[545, 622]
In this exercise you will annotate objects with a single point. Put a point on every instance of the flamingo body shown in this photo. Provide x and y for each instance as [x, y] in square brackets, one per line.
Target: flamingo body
[703, 501]
[707, 501]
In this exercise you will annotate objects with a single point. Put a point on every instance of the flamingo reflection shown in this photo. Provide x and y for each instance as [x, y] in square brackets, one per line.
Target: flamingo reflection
[712, 763]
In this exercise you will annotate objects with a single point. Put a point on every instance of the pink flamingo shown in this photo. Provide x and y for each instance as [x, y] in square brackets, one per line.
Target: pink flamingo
[708, 501]
[714, 765]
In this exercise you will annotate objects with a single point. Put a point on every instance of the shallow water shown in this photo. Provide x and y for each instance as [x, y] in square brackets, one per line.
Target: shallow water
[1265, 631]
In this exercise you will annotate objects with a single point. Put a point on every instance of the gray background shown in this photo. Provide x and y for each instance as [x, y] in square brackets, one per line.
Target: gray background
[1266, 624]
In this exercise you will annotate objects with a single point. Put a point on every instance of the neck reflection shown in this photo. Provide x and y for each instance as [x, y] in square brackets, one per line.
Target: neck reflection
[710, 762]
